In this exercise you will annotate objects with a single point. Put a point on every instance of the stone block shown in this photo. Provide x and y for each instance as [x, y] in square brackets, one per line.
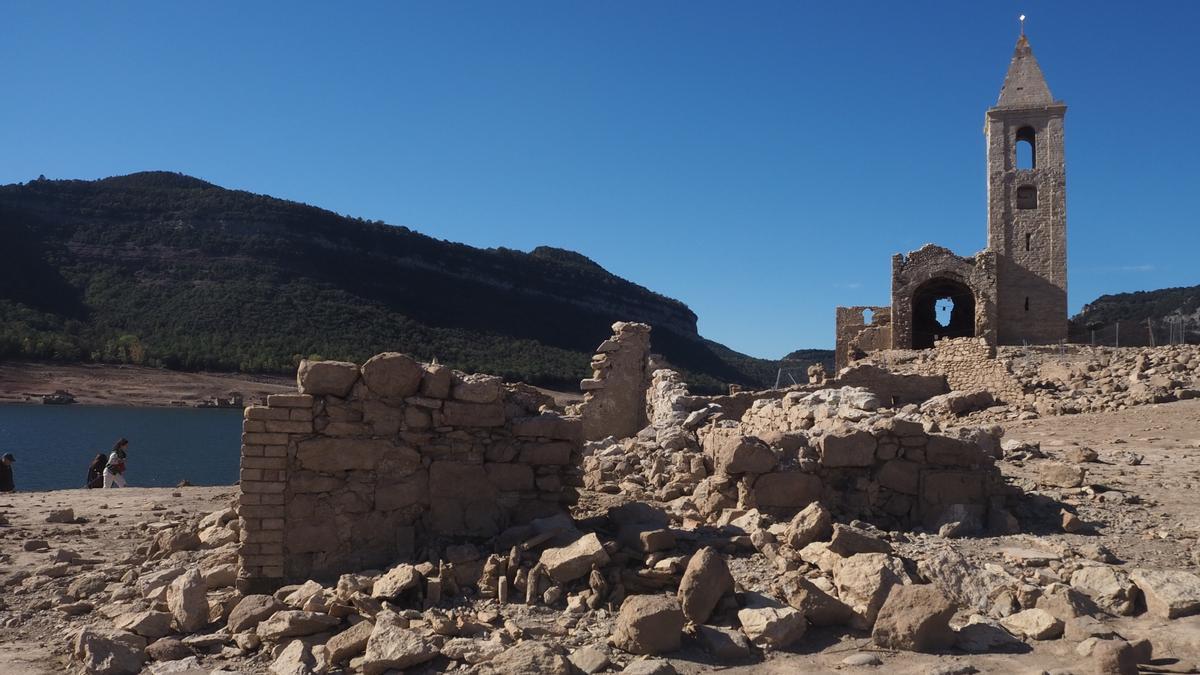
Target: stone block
[554, 453]
[476, 388]
[290, 400]
[787, 490]
[900, 475]
[392, 375]
[847, 447]
[345, 454]
[509, 477]
[436, 381]
[549, 426]
[459, 414]
[334, 378]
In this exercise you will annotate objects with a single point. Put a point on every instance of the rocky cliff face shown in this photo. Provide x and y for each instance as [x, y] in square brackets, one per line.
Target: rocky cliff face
[165, 269]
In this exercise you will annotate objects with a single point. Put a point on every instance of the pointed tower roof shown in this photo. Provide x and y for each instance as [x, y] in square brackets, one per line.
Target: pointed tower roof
[1024, 85]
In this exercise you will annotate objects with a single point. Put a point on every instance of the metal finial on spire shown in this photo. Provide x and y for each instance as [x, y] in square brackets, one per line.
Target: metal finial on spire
[1022, 20]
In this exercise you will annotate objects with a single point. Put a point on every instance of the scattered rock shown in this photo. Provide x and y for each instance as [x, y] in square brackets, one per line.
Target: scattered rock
[294, 623]
[188, 601]
[251, 610]
[705, 580]
[1037, 624]
[649, 624]
[914, 618]
[575, 560]
[393, 646]
[108, 652]
[1169, 594]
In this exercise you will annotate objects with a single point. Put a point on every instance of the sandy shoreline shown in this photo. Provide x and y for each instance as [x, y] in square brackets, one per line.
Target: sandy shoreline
[132, 386]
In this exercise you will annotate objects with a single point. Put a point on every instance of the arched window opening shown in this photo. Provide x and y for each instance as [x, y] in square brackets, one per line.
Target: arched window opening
[942, 308]
[1026, 148]
[1028, 240]
[868, 317]
[1027, 197]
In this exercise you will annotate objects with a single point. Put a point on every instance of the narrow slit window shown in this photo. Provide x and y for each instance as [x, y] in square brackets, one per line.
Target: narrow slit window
[1026, 304]
[1028, 241]
[1027, 197]
[1026, 148]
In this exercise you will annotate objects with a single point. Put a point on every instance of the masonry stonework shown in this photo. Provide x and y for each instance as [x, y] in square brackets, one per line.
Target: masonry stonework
[362, 463]
[614, 402]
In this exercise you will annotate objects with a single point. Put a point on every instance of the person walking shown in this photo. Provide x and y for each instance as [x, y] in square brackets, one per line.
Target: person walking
[95, 475]
[6, 473]
[114, 470]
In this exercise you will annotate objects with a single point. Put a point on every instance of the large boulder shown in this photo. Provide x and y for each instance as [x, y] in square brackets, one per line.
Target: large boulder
[914, 618]
[812, 523]
[108, 652]
[570, 562]
[1108, 587]
[817, 605]
[188, 601]
[393, 646]
[251, 610]
[392, 375]
[649, 624]
[294, 623]
[334, 378]
[705, 580]
[1169, 594]
[149, 624]
[397, 580]
[864, 581]
[770, 624]
[732, 453]
[1037, 624]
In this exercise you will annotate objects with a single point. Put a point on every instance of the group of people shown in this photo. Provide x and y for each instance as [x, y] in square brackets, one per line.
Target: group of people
[106, 471]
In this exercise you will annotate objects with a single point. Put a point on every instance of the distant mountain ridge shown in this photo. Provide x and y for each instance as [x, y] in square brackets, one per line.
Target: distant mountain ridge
[166, 269]
[1140, 314]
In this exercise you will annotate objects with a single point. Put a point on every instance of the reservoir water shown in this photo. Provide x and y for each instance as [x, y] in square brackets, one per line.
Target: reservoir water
[54, 444]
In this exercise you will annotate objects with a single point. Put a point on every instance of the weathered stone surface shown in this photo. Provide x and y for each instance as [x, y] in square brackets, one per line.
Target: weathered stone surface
[705, 580]
[812, 523]
[1037, 624]
[108, 652]
[724, 644]
[589, 660]
[392, 375]
[846, 447]
[251, 610]
[848, 540]
[349, 643]
[329, 454]
[326, 377]
[914, 618]
[295, 659]
[168, 649]
[1107, 587]
[786, 490]
[863, 582]
[471, 650]
[392, 646]
[648, 666]
[1169, 594]
[733, 453]
[570, 562]
[436, 381]
[531, 656]
[818, 606]
[294, 623]
[1114, 657]
[649, 624]
[149, 624]
[476, 388]
[1057, 474]
[400, 578]
[770, 624]
[188, 602]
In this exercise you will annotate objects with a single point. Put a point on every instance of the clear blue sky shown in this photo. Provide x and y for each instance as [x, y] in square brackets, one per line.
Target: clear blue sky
[759, 161]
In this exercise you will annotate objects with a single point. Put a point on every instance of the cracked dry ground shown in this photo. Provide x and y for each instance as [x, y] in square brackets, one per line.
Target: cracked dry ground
[1142, 496]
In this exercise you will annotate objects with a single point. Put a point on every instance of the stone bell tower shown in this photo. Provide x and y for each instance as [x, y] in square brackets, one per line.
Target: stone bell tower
[1027, 216]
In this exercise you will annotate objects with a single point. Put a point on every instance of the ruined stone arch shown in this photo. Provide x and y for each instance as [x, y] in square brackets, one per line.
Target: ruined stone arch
[922, 277]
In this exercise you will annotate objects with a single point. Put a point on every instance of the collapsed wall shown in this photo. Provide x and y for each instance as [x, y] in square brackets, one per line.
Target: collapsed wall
[362, 463]
[838, 447]
[614, 402]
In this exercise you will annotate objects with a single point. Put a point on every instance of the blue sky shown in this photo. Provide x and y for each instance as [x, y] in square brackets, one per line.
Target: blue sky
[759, 161]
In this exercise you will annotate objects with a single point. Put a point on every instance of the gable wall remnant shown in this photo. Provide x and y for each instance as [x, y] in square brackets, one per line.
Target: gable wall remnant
[361, 463]
[614, 402]
[855, 336]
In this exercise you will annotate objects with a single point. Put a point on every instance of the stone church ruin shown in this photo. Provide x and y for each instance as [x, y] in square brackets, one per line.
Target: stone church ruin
[1014, 291]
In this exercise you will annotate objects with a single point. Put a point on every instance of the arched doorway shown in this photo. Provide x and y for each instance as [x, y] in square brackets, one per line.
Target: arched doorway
[942, 308]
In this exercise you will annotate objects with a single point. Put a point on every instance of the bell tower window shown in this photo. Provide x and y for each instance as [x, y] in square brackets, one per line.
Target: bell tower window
[1027, 197]
[1026, 148]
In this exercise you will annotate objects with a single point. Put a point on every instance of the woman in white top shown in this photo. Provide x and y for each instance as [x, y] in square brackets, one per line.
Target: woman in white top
[114, 471]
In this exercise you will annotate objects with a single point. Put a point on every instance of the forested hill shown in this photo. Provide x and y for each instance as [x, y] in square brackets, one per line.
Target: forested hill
[164, 269]
[1140, 315]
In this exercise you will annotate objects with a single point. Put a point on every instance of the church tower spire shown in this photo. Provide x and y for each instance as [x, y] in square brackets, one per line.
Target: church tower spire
[1027, 217]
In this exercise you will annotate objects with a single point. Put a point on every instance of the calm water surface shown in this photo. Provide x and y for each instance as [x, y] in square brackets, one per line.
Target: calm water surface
[54, 444]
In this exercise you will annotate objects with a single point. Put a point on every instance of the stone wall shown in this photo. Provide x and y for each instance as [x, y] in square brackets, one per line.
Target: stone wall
[614, 402]
[854, 335]
[970, 364]
[919, 274]
[837, 447]
[361, 463]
